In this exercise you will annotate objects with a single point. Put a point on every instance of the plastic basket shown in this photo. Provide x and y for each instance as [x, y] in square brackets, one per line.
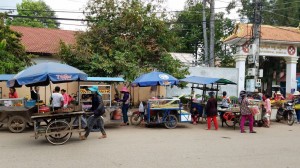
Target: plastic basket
[30, 103]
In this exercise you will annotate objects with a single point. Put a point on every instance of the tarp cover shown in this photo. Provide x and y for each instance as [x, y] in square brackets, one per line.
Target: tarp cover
[206, 80]
[155, 79]
[42, 74]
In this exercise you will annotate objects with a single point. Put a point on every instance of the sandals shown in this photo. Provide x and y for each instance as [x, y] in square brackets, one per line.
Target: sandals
[243, 131]
[124, 124]
[253, 132]
[103, 136]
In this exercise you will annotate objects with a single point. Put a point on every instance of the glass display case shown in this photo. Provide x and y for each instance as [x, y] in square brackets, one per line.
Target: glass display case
[86, 95]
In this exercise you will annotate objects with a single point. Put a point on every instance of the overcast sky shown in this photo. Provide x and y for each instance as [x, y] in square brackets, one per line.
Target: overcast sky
[78, 5]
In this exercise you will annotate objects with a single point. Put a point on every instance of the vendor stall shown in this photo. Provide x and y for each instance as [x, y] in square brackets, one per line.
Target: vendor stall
[203, 84]
[159, 111]
[57, 127]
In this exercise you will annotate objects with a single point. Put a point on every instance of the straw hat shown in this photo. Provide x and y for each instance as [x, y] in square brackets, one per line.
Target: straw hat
[278, 93]
[124, 89]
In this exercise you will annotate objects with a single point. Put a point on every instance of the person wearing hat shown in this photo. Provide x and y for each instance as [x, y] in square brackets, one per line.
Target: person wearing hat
[98, 109]
[246, 113]
[211, 110]
[125, 105]
[267, 106]
[279, 96]
[297, 105]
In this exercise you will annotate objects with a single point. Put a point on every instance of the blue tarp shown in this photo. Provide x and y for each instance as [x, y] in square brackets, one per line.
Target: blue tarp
[6, 77]
[105, 79]
[42, 74]
[154, 79]
[206, 80]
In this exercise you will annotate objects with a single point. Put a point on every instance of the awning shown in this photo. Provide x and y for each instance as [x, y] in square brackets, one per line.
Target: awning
[105, 79]
[6, 77]
[207, 80]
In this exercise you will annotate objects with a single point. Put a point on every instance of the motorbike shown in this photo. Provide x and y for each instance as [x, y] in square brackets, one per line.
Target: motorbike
[286, 113]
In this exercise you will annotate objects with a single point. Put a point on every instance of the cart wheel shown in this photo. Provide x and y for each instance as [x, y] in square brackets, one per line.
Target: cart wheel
[171, 121]
[16, 124]
[136, 118]
[58, 132]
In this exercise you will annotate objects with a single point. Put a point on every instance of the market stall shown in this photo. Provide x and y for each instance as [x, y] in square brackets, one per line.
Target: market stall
[205, 84]
[56, 127]
[159, 111]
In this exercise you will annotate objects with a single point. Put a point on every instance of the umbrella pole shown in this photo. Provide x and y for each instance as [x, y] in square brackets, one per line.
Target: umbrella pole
[51, 104]
[217, 92]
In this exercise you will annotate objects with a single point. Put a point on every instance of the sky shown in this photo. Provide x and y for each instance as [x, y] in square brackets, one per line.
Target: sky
[78, 5]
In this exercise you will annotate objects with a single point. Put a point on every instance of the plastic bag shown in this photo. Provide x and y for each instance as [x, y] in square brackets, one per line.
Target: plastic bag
[141, 107]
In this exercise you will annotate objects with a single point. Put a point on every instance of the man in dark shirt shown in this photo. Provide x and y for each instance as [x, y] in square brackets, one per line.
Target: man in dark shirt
[34, 92]
[98, 109]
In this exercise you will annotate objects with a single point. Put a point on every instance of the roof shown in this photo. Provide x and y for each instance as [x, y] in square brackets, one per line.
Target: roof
[6, 77]
[44, 40]
[289, 35]
[206, 80]
[105, 79]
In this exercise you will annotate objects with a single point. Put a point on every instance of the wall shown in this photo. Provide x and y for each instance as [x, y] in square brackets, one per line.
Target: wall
[227, 73]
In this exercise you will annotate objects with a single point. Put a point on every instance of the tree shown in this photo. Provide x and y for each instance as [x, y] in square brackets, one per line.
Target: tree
[32, 10]
[189, 25]
[124, 38]
[12, 54]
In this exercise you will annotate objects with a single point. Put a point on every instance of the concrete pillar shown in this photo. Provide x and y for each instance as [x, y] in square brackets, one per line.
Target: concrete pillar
[291, 70]
[240, 61]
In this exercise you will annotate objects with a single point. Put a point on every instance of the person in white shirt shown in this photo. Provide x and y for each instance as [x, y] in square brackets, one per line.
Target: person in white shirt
[57, 99]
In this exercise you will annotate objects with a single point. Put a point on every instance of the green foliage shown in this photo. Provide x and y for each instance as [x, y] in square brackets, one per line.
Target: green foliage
[12, 54]
[190, 30]
[124, 38]
[35, 9]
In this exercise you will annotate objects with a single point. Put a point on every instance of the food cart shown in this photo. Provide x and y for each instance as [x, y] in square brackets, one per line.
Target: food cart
[203, 83]
[164, 111]
[15, 114]
[57, 126]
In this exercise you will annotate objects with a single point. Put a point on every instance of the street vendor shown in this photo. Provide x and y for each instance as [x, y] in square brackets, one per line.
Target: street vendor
[34, 93]
[66, 97]
[125, 105]
[98, 110]
[12, 93]
[57, 99]
[278, 96]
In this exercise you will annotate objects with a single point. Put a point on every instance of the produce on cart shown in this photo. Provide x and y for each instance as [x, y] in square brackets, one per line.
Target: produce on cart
[164, 111]
[15, 114]
[57, 126]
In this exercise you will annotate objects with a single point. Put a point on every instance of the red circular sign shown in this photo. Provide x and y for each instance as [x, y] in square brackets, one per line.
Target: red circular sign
[245, 47]
[291, 50]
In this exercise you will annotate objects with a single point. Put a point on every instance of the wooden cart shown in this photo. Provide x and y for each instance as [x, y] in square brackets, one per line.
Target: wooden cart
[57, 127]
[15, 114]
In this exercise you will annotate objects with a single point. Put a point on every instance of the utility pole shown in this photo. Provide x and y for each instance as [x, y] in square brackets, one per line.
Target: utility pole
[212, 34]
[254, 48]
[206, 58]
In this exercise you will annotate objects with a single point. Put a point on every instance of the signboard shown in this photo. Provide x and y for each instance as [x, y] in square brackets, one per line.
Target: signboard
[269, 49]
[277, 50]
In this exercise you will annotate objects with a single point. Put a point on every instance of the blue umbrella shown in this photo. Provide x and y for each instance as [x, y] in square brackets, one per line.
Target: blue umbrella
[42, 74]
[154, 79]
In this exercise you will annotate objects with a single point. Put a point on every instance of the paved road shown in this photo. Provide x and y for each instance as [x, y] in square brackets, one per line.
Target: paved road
[133, 147]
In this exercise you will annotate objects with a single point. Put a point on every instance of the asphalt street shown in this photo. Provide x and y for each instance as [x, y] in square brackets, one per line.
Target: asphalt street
[135, 146]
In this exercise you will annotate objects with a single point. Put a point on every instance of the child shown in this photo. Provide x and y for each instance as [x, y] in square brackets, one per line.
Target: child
[267, 116]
